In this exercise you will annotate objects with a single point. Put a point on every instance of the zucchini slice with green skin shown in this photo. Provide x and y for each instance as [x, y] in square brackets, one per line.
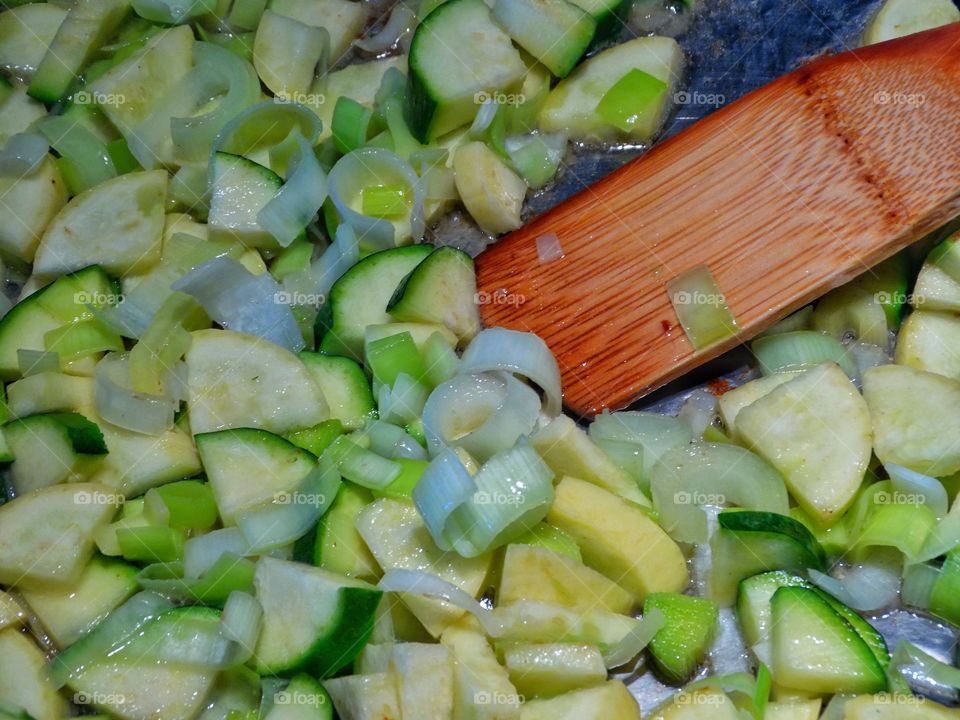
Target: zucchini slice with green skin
[52, 448]
[556, 32]
[344, 385]
[753, 602]
[237, 380]
[248, 467]
[87, 26]
[571, 105]
[816, 650]
[608, 14]
[458, 57]
[131, 685]
[360, 297]
[24, 681]
[551, 669]
[749, 542]
[240, 189]
[29, 204]
[34, 551]
[25, 34]
[117, 224]
[302, 699]
[70, 613]
[69, 298]
[442, 289]
[313, 620]
[680, 645]
[339, 547]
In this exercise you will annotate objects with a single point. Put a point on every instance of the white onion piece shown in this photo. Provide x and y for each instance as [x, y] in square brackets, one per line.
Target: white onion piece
[918, 582]
[699, 411]
[867, 586]
[238, 300]
[298, 201]
[370, 167]
[911, 482]
[483, 119]
[944, 537]
[118, 404]
[430, 586]
[516, 352]
[404, 402]
[636, 640]
[22, 155]
[200, 553]
[343, 254]
[548, 248]
[393, 33]
[482, 413]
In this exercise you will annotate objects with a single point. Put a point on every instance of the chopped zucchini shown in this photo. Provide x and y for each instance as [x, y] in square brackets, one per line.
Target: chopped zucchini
[239, 190]
[424, 680]
[492, 193]
[313, 620]
[35, 551]
[852, 311]
[482, 687]
[570, 451]
[705, 704]
[345, 387]
[302, 699]
[935, 289]
[441, 289]
[545, 670]
[894, 707]
[930, 341]
[365, 697]
[618, 539]
[816, 650]
[27, 205]
[359, 82]
[749, 542]
[556, 32]
[733, 401]
[458, 58]
[25, 34]
[339, 546]
[236, 380]
[87, 26]
[572, 105]
[286, 53]
[69, 613]
[342, 19]
[52, 448]
[399, 539]
[248, 467]
[815, 430]
[898, 18]
[360, 297]
[531, 573]
[610, 701]
[24, 681]
[118, 224]
[921, 436]
[753, 602]
[680, 645]
[142, 80]
[49, 392]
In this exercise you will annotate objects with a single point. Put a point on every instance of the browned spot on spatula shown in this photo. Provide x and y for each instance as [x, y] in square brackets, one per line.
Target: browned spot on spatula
[784, 194]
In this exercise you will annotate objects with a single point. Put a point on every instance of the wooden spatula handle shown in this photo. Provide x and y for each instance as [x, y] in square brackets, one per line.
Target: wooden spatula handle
[784, 194]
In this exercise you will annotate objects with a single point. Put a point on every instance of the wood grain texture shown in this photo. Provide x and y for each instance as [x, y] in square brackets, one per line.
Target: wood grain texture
[788, 192]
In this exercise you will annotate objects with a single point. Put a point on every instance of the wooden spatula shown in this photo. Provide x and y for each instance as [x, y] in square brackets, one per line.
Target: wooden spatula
[792, 190]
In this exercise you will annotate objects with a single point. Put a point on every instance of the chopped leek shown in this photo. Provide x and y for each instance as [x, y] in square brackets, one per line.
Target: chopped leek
[189, 504]
[150, 543]
[84, 337]
[392, 355]
[350, 124]
[629, 98]
[385, 201]
[701, 308]
[229, 573]
[800, 350]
